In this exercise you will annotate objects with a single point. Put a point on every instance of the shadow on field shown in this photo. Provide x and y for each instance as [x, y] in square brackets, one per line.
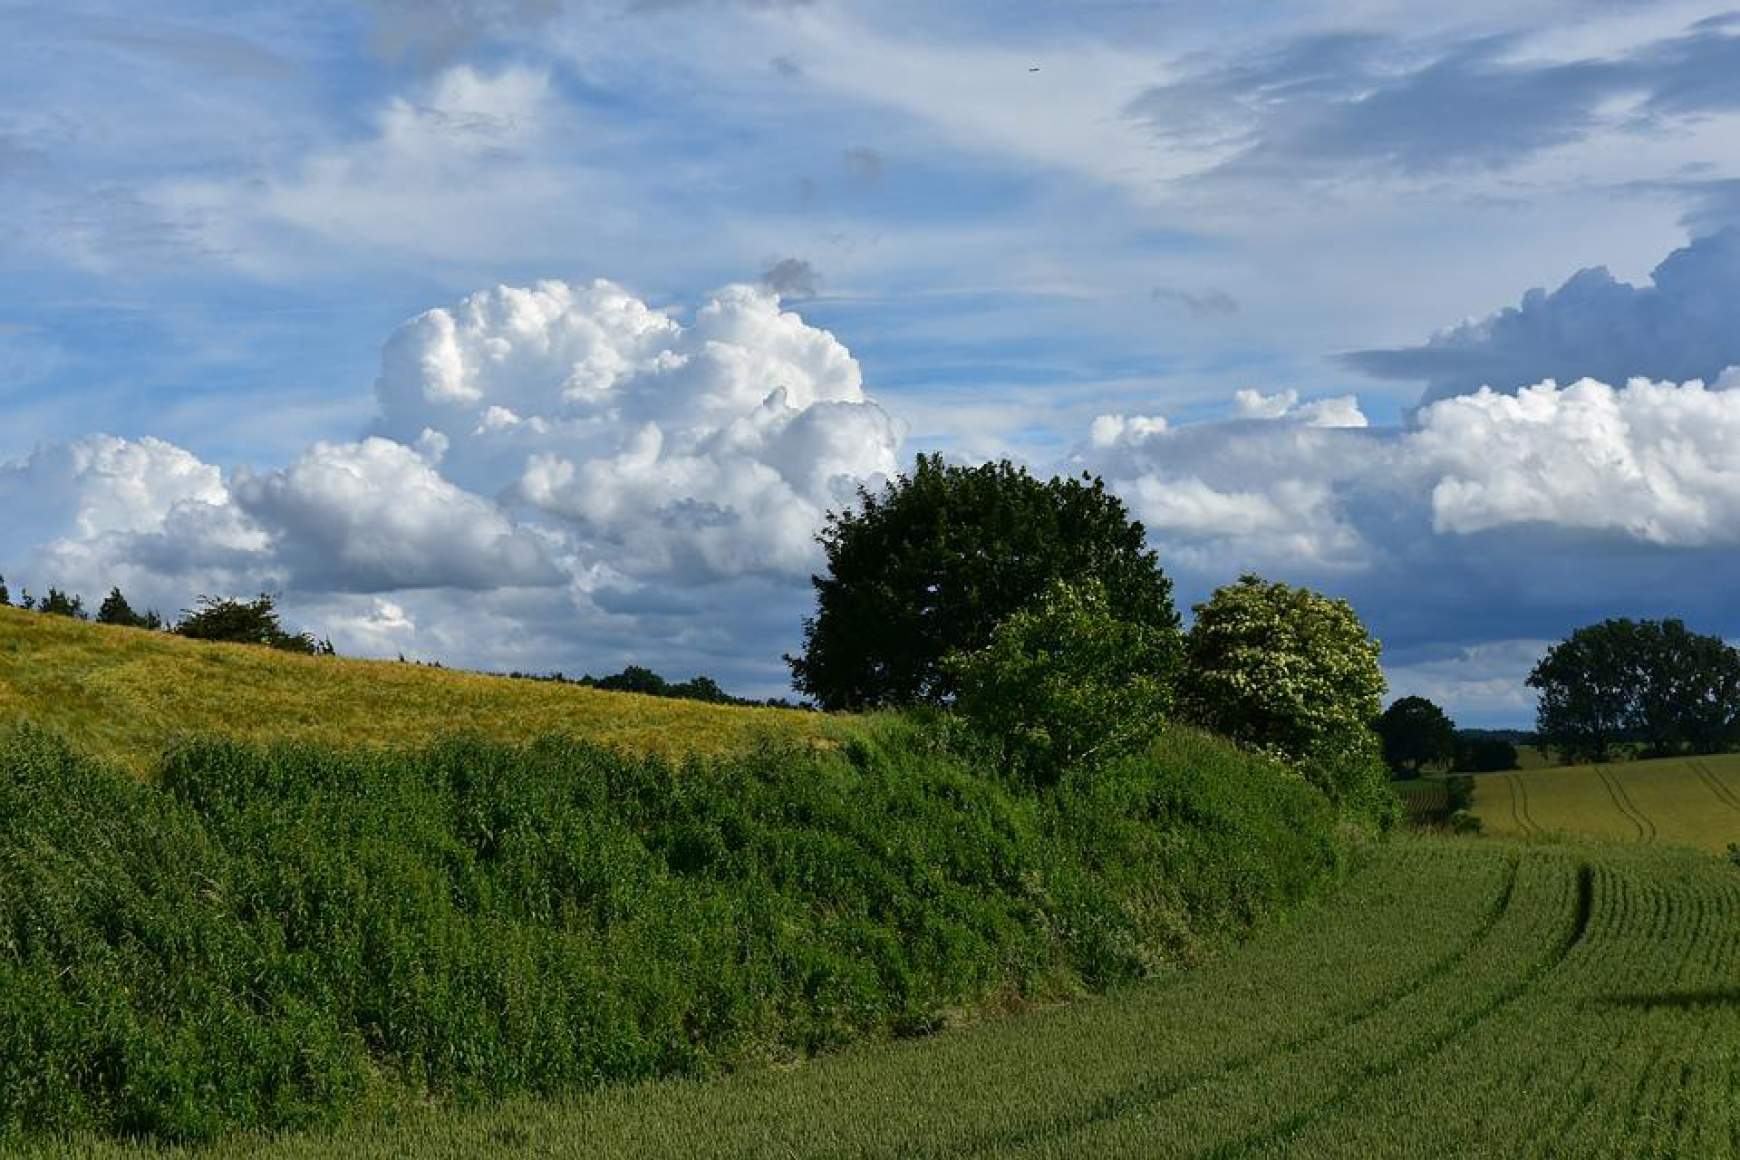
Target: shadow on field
[1679, 1000]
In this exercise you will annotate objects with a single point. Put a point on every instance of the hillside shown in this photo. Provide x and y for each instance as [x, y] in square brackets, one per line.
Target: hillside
[1677, 801]
[1551, 1001]
[123, 693]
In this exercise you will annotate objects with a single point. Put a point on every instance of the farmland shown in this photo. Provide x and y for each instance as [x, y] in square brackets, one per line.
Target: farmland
[1551, 1000]
[1681, 801]
[123, 693]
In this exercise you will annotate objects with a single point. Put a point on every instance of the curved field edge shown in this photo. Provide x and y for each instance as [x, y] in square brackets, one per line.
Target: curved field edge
[260, 938]
[125, 693]
[1554, 1000]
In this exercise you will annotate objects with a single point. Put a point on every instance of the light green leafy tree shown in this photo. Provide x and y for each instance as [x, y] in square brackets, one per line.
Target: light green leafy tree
[1295, 674]
[1064, 683]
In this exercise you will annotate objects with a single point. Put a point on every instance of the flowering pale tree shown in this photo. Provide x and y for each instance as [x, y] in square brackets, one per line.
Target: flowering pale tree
[1294, 674]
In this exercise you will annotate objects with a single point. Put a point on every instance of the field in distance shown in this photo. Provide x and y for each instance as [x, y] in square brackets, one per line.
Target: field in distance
[1551, 1000]
[124, 692]
[1672, 801]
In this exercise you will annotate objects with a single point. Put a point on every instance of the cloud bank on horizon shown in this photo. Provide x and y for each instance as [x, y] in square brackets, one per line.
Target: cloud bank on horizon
[1149, 260]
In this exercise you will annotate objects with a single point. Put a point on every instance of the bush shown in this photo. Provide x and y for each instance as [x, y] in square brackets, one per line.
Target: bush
[1064, 683]
[1292, 673]
[268, 938]
[1485, 755]
[246, 622]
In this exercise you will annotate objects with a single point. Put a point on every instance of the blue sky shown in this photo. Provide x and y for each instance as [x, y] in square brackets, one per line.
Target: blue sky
[1302, 235]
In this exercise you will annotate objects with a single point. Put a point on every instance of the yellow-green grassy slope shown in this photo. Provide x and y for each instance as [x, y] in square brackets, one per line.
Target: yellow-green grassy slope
[1674, 801]
[124, 693]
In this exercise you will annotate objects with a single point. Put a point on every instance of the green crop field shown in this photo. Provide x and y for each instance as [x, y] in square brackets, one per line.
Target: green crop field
[1678, 801]
[1549, 1001]
[122, 693]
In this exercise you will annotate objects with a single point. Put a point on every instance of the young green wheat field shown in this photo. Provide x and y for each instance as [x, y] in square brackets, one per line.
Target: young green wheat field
[1532, 994]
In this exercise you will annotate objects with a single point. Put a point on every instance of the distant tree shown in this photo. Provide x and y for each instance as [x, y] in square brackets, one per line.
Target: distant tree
[58, 603]
[1065, 683]
[1649, 680]
[26, 600]
[243, 622]
[1415, 732]
[1295, 674]
[932, 563]
[5, 595]
[1586, 684]
[116, 610]
[633, 679]
[1484, 754]
[701, 689]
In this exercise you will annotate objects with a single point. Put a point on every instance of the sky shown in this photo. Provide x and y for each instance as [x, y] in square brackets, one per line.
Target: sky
[543, 334]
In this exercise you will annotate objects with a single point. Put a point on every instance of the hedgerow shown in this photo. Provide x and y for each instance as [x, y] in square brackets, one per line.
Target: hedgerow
[261, 938]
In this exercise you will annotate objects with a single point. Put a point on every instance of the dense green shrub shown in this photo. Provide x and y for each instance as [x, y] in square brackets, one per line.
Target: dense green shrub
[1064, 683]
[265, 938]
[1292, 673]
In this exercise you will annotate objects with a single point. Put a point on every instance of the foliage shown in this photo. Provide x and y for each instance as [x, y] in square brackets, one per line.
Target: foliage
[58, 603]
[935, 561]
[1734, 853]
[244, 622]
[1415, 732]
[1290, 672]
[267, 938]
[1481, 754]
[1652, 680]
[1065, 684]
[116, 610]
[1395, 1022]
[5, 593]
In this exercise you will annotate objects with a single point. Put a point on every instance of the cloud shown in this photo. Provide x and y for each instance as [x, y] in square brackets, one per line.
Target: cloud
[1491, 518]
[864, 164]
[793, 279]
[1654, 462]
[376, 516]
[1206, 303]
[1341, 411]
[690, 452]
[1319, 104]
[1681, 326]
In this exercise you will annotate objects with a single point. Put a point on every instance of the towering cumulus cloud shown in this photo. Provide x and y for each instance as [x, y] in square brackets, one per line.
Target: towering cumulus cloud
[550, 464]
[690, 453]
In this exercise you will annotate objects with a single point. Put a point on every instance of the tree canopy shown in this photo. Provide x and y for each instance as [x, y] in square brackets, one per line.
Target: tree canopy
[116, 610]
[933, 562]
[245, 622]
[1295, 674]
[1652, 681]
[1065, 684]
[1415, 733]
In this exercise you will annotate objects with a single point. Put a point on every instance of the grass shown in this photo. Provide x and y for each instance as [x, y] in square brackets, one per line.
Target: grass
[1552, 1000]
[1677, 801]
[125, 693]
[268, 938]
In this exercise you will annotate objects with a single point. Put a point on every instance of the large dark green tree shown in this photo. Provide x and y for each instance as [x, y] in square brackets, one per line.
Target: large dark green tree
[933, 562]
[1652, 681]
[1416, 733]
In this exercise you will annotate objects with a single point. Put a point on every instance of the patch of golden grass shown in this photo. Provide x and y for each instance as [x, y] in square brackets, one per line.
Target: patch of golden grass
[124, 693]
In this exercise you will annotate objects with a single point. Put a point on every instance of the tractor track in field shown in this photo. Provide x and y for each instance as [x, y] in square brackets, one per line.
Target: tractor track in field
[1519, 806]
[1459, 1028]
[1144, 1094]
[1646, 831]
[1718, 787]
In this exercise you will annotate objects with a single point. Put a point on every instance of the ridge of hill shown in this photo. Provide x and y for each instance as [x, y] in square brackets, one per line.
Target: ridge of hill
[124, 693]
